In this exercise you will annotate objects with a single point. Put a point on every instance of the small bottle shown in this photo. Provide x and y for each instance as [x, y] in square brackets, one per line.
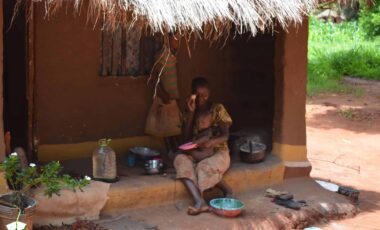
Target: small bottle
[104, 162]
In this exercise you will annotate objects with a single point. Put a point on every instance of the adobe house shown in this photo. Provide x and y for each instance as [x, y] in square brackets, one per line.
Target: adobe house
[59, 100]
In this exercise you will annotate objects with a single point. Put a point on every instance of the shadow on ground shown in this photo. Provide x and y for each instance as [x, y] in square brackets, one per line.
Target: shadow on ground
[359, 120]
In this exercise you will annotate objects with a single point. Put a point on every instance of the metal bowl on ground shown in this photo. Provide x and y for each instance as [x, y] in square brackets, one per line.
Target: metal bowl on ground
[226, 207]
[252, 152]
[144, 153]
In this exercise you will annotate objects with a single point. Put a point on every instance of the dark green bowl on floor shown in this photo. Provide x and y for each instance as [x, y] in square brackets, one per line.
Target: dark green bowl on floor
[227, 207]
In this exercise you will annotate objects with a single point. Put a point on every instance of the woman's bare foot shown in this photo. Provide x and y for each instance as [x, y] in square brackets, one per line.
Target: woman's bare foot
[194, 210]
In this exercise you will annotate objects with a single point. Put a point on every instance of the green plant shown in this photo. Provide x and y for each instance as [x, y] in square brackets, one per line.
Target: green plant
[337, 50]
[358, 92]
[347, 113]
[369, 19]
[21, 180]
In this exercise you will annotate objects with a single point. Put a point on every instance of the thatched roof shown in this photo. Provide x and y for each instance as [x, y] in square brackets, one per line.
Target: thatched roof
[212, 17]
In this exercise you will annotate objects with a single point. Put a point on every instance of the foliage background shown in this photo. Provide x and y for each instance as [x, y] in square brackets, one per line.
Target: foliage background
[350, 48]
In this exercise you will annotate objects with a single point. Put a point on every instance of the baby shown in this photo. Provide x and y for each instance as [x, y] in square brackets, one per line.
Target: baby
[204, 134]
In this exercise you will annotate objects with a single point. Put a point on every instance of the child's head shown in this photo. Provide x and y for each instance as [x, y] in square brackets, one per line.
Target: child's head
[204, 121]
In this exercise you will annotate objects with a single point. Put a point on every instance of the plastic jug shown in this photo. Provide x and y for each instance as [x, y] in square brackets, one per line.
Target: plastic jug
[104, 162]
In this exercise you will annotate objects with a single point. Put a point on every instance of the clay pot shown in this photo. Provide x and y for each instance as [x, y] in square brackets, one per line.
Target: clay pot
[9, 215]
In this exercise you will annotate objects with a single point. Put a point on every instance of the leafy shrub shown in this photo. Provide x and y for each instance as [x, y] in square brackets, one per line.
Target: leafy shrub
[337, 50]
[49, 176]
[369, 19]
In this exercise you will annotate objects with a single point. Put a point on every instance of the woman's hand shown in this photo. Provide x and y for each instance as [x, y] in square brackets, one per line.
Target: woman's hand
[198, 156]
[207, 144]
[191, 103]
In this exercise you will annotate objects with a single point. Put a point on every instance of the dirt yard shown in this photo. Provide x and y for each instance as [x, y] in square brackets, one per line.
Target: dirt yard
[343, 134]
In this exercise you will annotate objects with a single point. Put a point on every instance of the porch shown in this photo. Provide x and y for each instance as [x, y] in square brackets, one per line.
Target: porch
[137, 190]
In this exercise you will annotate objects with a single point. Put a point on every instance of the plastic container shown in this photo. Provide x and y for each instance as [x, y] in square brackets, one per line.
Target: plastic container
[104, 162]
[131, 160]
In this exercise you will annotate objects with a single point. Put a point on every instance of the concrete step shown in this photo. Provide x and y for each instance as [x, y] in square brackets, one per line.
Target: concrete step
[140, 191]
[259, 212]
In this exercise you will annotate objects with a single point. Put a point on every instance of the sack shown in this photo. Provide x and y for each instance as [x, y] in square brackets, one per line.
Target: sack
[164, 120]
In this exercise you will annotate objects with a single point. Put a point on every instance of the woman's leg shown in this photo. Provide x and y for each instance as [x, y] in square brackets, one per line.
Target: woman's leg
[200, 204]
[194, 192]
[185, 171]
[167, 156]
[226, 189]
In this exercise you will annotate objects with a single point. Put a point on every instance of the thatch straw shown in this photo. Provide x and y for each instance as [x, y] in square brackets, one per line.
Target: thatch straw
[211, 18]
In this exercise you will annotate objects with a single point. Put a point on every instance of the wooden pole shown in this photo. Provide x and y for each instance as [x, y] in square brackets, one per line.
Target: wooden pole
[3, 182]
[30, 81]
[2, 144]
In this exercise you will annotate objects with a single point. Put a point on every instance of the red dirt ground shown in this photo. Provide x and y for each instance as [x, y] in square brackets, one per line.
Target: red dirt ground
[343, 134]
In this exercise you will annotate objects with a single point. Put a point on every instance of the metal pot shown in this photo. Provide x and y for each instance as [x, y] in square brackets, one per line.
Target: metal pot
[143, 154]
[252, 152]
[154, 166]
[10, 214]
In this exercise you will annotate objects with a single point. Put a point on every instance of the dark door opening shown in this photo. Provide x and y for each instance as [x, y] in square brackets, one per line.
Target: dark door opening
[14, 77]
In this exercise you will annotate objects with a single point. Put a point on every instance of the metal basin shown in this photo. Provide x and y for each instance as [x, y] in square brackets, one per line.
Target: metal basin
[227, 207]
[144, 152]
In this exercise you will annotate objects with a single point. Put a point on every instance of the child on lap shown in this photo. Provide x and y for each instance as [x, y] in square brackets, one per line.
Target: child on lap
[204, 134]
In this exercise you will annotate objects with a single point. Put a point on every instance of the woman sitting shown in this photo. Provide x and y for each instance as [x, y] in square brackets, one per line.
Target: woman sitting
[206, 169]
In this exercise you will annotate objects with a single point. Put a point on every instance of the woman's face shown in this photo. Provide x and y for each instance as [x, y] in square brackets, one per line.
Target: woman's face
[203, 94]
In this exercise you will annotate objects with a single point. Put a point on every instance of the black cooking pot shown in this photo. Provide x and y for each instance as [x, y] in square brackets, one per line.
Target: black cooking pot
[252, 152]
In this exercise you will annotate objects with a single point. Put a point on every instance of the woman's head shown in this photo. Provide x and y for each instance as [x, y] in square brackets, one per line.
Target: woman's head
[200, 87]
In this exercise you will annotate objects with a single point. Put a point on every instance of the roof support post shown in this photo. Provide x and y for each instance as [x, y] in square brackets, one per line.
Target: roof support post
[289, 125]
[2, 144]
[3, 183]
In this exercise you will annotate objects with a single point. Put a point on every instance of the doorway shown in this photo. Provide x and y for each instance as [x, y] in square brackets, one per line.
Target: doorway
[14, 76]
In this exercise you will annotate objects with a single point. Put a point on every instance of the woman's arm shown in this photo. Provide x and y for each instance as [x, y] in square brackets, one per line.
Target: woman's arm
[188, 127]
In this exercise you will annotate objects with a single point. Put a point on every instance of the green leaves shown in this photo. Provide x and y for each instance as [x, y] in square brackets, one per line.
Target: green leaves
[369, 19]
[48, 176]
[10, 166]
[336, 50]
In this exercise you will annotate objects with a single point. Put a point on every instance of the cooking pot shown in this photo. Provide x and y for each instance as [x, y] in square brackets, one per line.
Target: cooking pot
[252, 152]
[143, 154]
[154, 166]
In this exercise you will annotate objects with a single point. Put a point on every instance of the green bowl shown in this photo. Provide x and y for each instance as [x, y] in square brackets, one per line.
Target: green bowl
[227, 207]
